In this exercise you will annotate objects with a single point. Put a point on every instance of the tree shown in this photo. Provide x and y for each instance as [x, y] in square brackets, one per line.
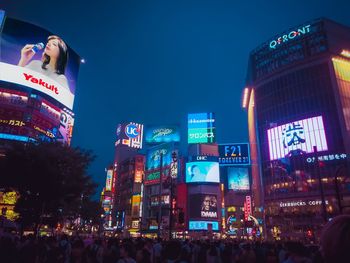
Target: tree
[50, 177]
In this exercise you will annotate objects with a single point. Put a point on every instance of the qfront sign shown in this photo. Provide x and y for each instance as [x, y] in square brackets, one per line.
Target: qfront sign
[290, 36]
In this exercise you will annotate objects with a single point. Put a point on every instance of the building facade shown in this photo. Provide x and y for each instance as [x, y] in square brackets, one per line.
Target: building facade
[297, 97]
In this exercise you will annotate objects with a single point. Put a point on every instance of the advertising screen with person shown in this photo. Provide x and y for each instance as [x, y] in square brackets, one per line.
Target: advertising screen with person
[202, 172]
[34, 57]
[203, 206]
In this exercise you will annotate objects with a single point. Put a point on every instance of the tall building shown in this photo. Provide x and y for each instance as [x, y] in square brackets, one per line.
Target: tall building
[202, 177]
[36, 100]
[160, 180]
[128, 196]
[234, 161]
[128, 174]
[298, 102]
[107, 197]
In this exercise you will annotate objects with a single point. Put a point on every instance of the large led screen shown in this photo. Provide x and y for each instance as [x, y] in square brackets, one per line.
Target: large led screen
[234, 154]
[298, 136]
[34, 57]
[154, 156]
[203, 206]
[162, 134]
[238, 178]
[202, 172]
[201, 128]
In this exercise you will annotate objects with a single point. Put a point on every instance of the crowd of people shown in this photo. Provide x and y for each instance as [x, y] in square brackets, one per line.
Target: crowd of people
[334, 247]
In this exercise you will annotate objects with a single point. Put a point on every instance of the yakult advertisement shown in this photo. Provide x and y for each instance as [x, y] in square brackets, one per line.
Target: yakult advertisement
[34, 57]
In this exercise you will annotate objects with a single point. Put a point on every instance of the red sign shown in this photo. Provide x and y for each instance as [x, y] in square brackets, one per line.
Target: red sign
[247, 207]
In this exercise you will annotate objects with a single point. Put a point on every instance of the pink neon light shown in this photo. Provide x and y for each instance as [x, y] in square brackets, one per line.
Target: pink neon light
[311, 130]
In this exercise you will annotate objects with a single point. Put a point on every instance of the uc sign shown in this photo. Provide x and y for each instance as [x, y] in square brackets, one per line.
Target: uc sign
[132, 131]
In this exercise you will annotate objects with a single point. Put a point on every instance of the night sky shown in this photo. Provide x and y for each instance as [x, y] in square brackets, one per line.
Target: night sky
[155, 61]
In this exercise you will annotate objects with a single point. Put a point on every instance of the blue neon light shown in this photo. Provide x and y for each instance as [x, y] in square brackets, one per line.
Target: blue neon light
[15, 137]
[2, 16]
[203, 225]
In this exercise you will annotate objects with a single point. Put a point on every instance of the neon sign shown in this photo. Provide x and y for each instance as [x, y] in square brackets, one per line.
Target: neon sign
[291, 35]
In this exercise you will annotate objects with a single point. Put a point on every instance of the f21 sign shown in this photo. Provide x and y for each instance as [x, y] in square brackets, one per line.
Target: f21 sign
[234, 154]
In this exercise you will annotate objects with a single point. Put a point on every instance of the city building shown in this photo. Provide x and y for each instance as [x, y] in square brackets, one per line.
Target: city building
[160, 210]
[128, 171]
[298, 102]
[107, 197]
[128, 195]
[202, 177]
[235, 173]
[36, 101]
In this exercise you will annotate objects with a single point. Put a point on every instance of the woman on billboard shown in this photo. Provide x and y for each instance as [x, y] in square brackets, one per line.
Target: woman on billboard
[53, 61]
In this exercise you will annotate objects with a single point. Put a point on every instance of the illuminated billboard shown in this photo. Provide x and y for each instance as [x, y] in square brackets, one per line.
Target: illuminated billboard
[109, 180]
[202, 172]
[65, 130]
[297, 137]
[201, 128]
[238, 178]
[203, 206]
[162, 134]
[234, 154]
[203, 225]
[135, 205]
[154, 154]
[46, 122]
[33, 57]
[130, 134]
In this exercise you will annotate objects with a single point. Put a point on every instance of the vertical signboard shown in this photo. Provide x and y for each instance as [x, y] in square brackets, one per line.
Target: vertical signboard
[139, 167]
[135, 205]
[109, 180]
[247, 207]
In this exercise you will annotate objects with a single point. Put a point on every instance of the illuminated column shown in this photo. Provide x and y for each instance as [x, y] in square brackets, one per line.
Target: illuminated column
[257, 192]
[223, 214]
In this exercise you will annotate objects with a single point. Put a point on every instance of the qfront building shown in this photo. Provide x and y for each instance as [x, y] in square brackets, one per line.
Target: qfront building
[298, 102]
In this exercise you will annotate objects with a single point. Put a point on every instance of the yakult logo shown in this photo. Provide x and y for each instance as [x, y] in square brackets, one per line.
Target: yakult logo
[40, 82]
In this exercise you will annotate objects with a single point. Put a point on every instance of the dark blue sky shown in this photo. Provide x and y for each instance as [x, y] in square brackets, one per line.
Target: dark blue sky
[155, 61]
